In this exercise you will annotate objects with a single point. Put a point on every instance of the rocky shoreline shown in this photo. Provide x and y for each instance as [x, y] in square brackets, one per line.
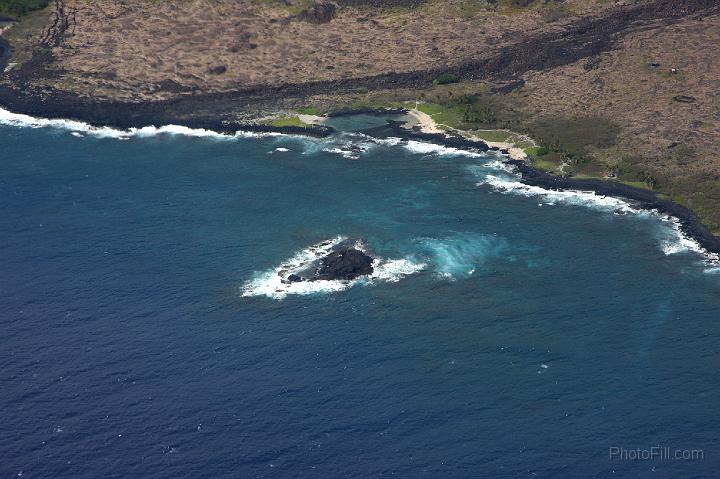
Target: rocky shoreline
[129, 115]
[125, 115]
[689, 223]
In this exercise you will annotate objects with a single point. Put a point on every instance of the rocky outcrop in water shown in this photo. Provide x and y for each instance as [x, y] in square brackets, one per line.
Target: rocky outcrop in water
[345, 264]
[345, 261]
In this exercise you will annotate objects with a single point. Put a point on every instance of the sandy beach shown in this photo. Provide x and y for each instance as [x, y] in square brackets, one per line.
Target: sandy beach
[428, 125]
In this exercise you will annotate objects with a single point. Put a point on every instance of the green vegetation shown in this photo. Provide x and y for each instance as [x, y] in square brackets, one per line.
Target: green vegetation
[494, 135]
[463, 112]
[535, 151]
[309, 111]
[545, 165]
[23, 36]
[443, 116]
[445, 79]
[637, 184]
[288, 121]
[573, 142]
[700, 193]
[19, 8]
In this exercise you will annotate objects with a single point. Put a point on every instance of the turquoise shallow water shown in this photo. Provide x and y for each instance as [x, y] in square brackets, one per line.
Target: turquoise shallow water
[515, 333]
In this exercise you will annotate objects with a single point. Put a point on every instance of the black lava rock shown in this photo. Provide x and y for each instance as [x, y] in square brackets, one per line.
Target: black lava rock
[344, 264]
[684, 98]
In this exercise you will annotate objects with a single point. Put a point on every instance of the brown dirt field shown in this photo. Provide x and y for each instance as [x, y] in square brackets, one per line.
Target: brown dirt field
[675, 142]
[137, 49]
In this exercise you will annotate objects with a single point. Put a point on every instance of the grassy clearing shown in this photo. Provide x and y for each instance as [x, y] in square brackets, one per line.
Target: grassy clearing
[637, 184]
[442, 115]
[309, 111]
[533, 151]
[545, 165]
[288, 121]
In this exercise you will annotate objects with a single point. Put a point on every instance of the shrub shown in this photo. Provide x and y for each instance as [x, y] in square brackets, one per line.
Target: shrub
[445, 79]
[18, 8]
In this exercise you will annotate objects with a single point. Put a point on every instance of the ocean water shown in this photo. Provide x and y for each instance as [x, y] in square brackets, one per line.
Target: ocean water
[509, 332]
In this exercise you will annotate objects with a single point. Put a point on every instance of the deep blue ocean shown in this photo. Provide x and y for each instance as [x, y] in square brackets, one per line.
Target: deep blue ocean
[514, 332]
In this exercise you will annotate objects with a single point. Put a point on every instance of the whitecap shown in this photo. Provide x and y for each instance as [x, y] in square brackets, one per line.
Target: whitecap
[274, 283]
[389, 141]
[393, 270]
[675, 241]
[498, 164]
[672, 241]
[349, 154]
[573, 197]
[148, 131]
[78, 128]
[423, 148]
[20, 120]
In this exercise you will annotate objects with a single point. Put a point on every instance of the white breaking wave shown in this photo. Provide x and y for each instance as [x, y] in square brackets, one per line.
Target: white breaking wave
[677, 242]
[574, 197]
[674, 242]
[499, 164]
[349, 154]
[20, 120]
[393, 270]
[390, 141]
[79, 128]
[274, 282]
[422, 148]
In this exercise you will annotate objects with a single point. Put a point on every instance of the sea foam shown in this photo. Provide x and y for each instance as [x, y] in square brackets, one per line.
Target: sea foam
[460, 255]
[78, 127]
[273, 283]
[551, 197]
[672, 241]
[423, 148]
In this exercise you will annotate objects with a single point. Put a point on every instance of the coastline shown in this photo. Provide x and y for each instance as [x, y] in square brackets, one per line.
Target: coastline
[688, 222]
[426, 131]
